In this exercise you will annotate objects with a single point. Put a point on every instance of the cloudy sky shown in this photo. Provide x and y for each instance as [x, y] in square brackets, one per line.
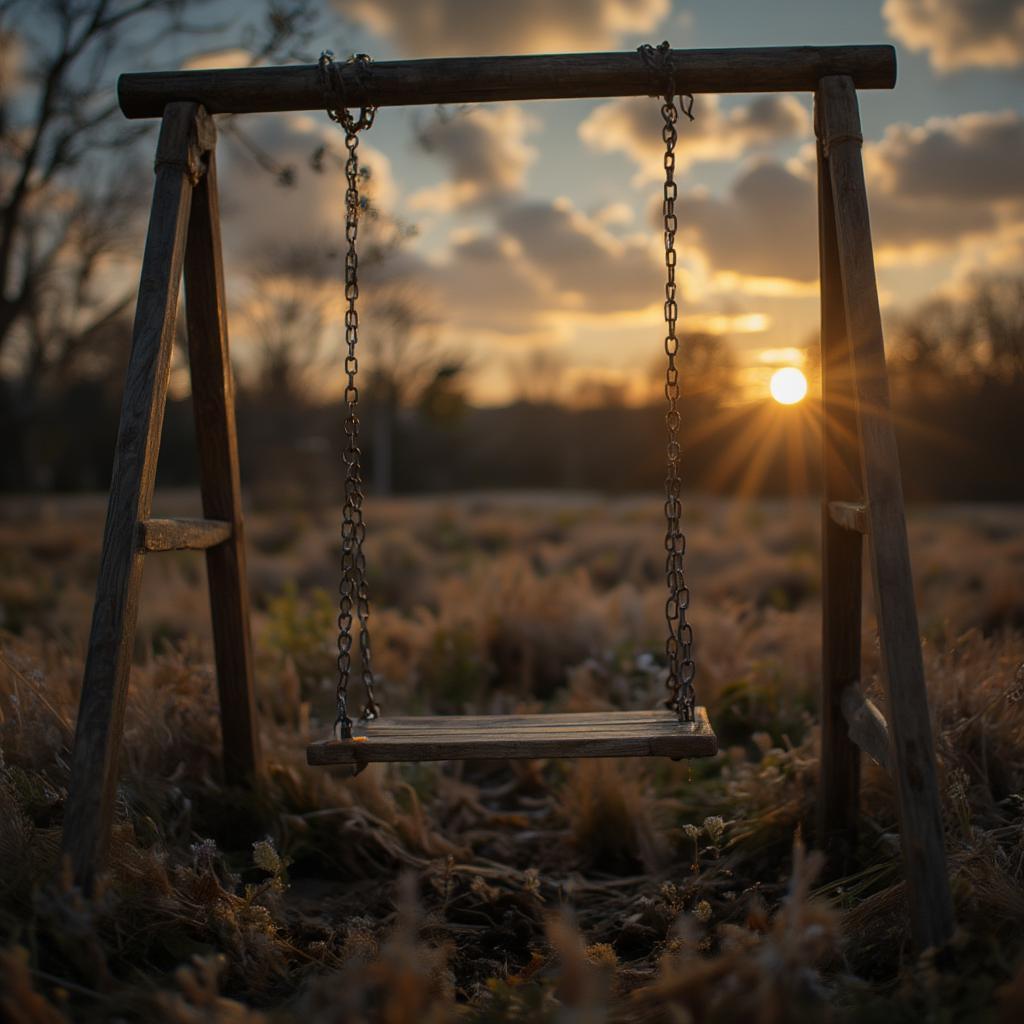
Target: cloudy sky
[535, 222]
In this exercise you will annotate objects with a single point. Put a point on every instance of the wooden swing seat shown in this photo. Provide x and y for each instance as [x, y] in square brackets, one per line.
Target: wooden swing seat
[472, 737]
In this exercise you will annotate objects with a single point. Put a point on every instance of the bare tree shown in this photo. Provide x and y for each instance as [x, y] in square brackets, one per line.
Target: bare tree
[707, 369]
[538, 376]
[66, 166]
[407, 370]
[976, 338]
[285, 317]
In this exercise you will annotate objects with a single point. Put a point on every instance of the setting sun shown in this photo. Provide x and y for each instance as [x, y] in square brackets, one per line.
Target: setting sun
[788, 385]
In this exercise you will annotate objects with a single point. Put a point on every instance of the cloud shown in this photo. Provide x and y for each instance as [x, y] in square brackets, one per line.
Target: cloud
[588, 267]
[486, 152]
[970, 158]
[263, 217]
[931, 187]
[935, 185]
[633, 126]
[766, 227]
[486, 284]
[544, 264]
[537, 267]
[12, 59]
[960, 33]
[616, 214]
[232, 57]
[463, 27]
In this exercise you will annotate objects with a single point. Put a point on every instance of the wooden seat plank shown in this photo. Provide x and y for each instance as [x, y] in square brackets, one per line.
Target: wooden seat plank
[585, 734]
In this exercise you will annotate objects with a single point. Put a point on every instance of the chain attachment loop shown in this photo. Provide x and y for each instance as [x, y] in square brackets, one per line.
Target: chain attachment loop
[353, 592]
[332, 86]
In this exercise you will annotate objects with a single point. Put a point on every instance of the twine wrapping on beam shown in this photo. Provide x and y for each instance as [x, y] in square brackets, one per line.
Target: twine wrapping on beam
[659, 60]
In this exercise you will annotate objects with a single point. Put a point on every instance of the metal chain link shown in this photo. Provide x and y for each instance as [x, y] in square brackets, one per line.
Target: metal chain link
[679, 642]
[353, 592]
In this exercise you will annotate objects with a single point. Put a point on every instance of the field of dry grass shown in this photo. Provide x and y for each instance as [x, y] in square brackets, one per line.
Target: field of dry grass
[539, 891]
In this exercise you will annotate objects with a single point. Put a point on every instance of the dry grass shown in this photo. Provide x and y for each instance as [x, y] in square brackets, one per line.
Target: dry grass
[542, 891]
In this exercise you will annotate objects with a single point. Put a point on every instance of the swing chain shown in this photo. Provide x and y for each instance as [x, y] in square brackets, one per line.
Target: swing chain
[679, 642]
[352, 590]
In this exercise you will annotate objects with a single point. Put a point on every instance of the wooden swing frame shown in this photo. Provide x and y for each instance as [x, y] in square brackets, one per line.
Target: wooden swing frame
[863, 498]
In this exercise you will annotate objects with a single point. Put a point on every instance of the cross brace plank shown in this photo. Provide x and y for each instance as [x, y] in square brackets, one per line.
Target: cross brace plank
[182, 534]
[867, 726]
[850, 515]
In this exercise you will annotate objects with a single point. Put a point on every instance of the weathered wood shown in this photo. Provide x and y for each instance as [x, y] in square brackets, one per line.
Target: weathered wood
[213, 400]
[556, 719]
[488, 79]
[867, 726]
[839, 782]
[899, 640]
[94, 761]
[588, 734]
[850, 515]
[182, 534]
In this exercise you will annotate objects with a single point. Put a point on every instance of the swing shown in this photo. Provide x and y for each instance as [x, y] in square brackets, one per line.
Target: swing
[862, 495]
[679, 730]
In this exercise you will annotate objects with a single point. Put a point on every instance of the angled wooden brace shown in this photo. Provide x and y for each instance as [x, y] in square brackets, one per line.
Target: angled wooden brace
[184, 183]
[856, 392]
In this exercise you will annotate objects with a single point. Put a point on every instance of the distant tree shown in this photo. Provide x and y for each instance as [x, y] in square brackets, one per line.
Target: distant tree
[999, 325]
[68, 188]
[406, 369]
[285, 316]
[537, 376]
[707, 369]
[958, 374]
[977, 337]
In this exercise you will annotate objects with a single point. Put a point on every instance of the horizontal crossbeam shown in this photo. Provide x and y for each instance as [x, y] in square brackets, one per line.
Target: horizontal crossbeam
[182, 534]
[489, 79]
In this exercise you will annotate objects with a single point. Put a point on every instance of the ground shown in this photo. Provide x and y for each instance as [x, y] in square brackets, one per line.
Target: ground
[539, 891]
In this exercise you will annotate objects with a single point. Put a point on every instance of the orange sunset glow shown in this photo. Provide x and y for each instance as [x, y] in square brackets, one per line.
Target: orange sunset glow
[511, 513]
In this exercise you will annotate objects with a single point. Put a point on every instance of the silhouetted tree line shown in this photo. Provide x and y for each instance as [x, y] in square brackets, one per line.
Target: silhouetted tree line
[957, 383]
[958, 367]
[72, 191]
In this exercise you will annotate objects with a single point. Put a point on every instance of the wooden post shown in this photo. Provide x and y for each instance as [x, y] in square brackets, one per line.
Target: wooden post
[94, 761]
[839, 786]
[213, 400]
[913, 759]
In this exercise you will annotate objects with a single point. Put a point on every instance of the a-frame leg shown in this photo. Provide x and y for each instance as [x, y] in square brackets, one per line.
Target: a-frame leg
[839, 790]
[94, 761]
[213, 401]
[912, 748]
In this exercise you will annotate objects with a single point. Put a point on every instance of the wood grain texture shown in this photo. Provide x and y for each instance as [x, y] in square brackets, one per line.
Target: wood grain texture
[488, 79]
[913, 751]
[94, 761]
[213, 401]
[839, 773]
[850, 515]
[588, 734]
[867, 726]
[182, 534]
